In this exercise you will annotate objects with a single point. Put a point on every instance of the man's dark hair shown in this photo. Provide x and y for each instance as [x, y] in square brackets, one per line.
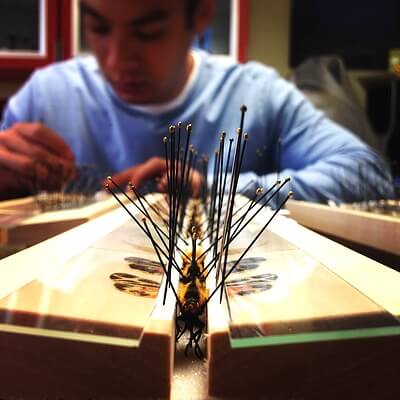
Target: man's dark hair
[190, 10]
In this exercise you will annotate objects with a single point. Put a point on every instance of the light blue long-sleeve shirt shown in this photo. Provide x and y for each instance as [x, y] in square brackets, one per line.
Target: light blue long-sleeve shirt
[325, 161]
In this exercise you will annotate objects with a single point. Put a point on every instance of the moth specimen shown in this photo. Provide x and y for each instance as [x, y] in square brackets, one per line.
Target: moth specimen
[191, 237]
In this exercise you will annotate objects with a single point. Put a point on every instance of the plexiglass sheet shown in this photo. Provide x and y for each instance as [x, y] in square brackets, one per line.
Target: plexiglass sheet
[281, 295]
[106, 293]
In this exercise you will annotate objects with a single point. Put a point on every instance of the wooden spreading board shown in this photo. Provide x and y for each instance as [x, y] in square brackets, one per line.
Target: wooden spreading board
[22, 223]
[381, 232]
[328, 322]
[62, 317]
[129, 352]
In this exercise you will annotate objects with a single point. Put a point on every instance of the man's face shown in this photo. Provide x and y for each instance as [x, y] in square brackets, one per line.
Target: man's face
[141, 46]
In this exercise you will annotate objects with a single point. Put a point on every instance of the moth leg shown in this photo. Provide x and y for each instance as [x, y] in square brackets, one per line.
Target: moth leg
[197, 336]
[180, 330]
[189, 343]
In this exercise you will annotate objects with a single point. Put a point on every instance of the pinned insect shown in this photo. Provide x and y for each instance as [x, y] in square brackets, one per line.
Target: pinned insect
[192, 295]
[205, 225]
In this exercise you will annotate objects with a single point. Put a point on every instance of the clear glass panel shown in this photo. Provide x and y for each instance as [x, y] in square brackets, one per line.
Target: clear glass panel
[102, 294]
[20, 25]
[289, 297]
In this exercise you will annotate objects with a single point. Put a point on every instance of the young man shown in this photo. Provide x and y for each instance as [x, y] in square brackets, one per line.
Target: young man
[113, 109]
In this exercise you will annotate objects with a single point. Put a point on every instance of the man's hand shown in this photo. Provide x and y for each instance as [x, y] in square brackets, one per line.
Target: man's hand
[154, 168]
[32, 151]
